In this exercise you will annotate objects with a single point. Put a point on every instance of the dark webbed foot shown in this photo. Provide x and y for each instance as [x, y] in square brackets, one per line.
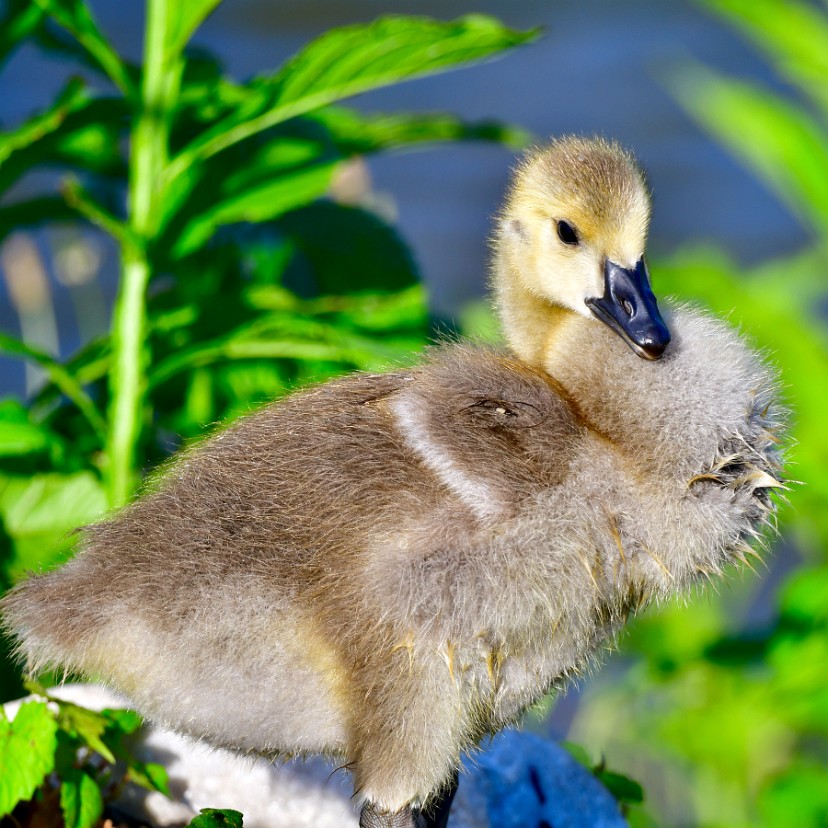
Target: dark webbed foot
[435, 815]
[371, 817]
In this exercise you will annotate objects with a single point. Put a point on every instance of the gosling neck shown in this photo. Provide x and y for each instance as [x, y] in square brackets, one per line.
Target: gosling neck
[535, 329]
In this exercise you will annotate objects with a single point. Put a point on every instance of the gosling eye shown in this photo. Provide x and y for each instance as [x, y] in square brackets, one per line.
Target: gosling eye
[567, 233]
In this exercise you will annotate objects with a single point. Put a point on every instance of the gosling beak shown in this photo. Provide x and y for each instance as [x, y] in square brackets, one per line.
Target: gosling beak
[629, 307]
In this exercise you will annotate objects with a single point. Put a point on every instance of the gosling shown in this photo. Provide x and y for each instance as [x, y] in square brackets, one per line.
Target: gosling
[386, 568]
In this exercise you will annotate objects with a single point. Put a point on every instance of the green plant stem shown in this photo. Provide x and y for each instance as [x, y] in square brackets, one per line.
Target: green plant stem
[148, 157]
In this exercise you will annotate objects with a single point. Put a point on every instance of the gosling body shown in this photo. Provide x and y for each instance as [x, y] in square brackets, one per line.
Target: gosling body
[386, 568]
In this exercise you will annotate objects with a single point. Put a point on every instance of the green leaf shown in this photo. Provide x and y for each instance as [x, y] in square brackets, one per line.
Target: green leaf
[354, 133]
[579, 754]
[406, 308]
[478, 321]
[38, 511]
[73, 96]
[266, 176]
[123, 721]
[27, 753]
[254, 181]
[348, 250]
[80, 800]
[19, 436]
[793, 36]
[58, 374]
[18, 439]
[805, 597]
[183, 18]
[366, 354]
[345, 62]
[623, 788]
[273, 193]
[206, 95]
[212, 818]
[149, 775]
[779, 140]
[86, 136]
[104, 732]
[76, 17]
[20, 19]
[86, 725]
[796, 797]
[49, 502]
[89, 364]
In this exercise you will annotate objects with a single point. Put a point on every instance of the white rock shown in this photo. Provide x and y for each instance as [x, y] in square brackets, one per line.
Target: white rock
[518, 781]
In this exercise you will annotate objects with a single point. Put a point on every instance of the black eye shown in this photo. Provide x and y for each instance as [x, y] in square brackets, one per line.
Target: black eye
[566, 233]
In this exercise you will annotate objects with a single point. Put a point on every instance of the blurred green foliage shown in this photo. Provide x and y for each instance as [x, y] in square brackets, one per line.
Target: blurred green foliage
[724, 714]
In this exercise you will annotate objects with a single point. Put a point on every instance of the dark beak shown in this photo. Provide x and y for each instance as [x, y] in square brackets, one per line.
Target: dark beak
[629, 307]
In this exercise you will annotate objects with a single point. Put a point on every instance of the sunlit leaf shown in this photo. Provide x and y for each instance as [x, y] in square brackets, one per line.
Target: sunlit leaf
[260, 181]
[38, 511]
[27, 752]
[18, 435]
[183, 18]
[354, 132]
[80, 800]
[779, 140]
[149, 775]
[479, 322]
[406, 308]
[19, 19]
[59, 375]
[21, 438]
[86, 725]
[805, 597]
[797, 797]
[579, 753]
[76, 17]
[800, 662]
[49, 502]
[72, 97]
[124, 721]
[274, 193]
[345, 62]
[794, 36]
[350, 350]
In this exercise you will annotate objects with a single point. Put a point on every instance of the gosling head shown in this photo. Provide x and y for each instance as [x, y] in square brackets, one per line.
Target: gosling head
[572, 236]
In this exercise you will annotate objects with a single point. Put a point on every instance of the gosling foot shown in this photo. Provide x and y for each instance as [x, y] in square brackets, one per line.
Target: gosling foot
[372, 817]
[434, 816]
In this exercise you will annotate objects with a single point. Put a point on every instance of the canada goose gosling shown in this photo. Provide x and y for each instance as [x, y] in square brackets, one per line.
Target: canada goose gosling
[386, 568]
[570, 242]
